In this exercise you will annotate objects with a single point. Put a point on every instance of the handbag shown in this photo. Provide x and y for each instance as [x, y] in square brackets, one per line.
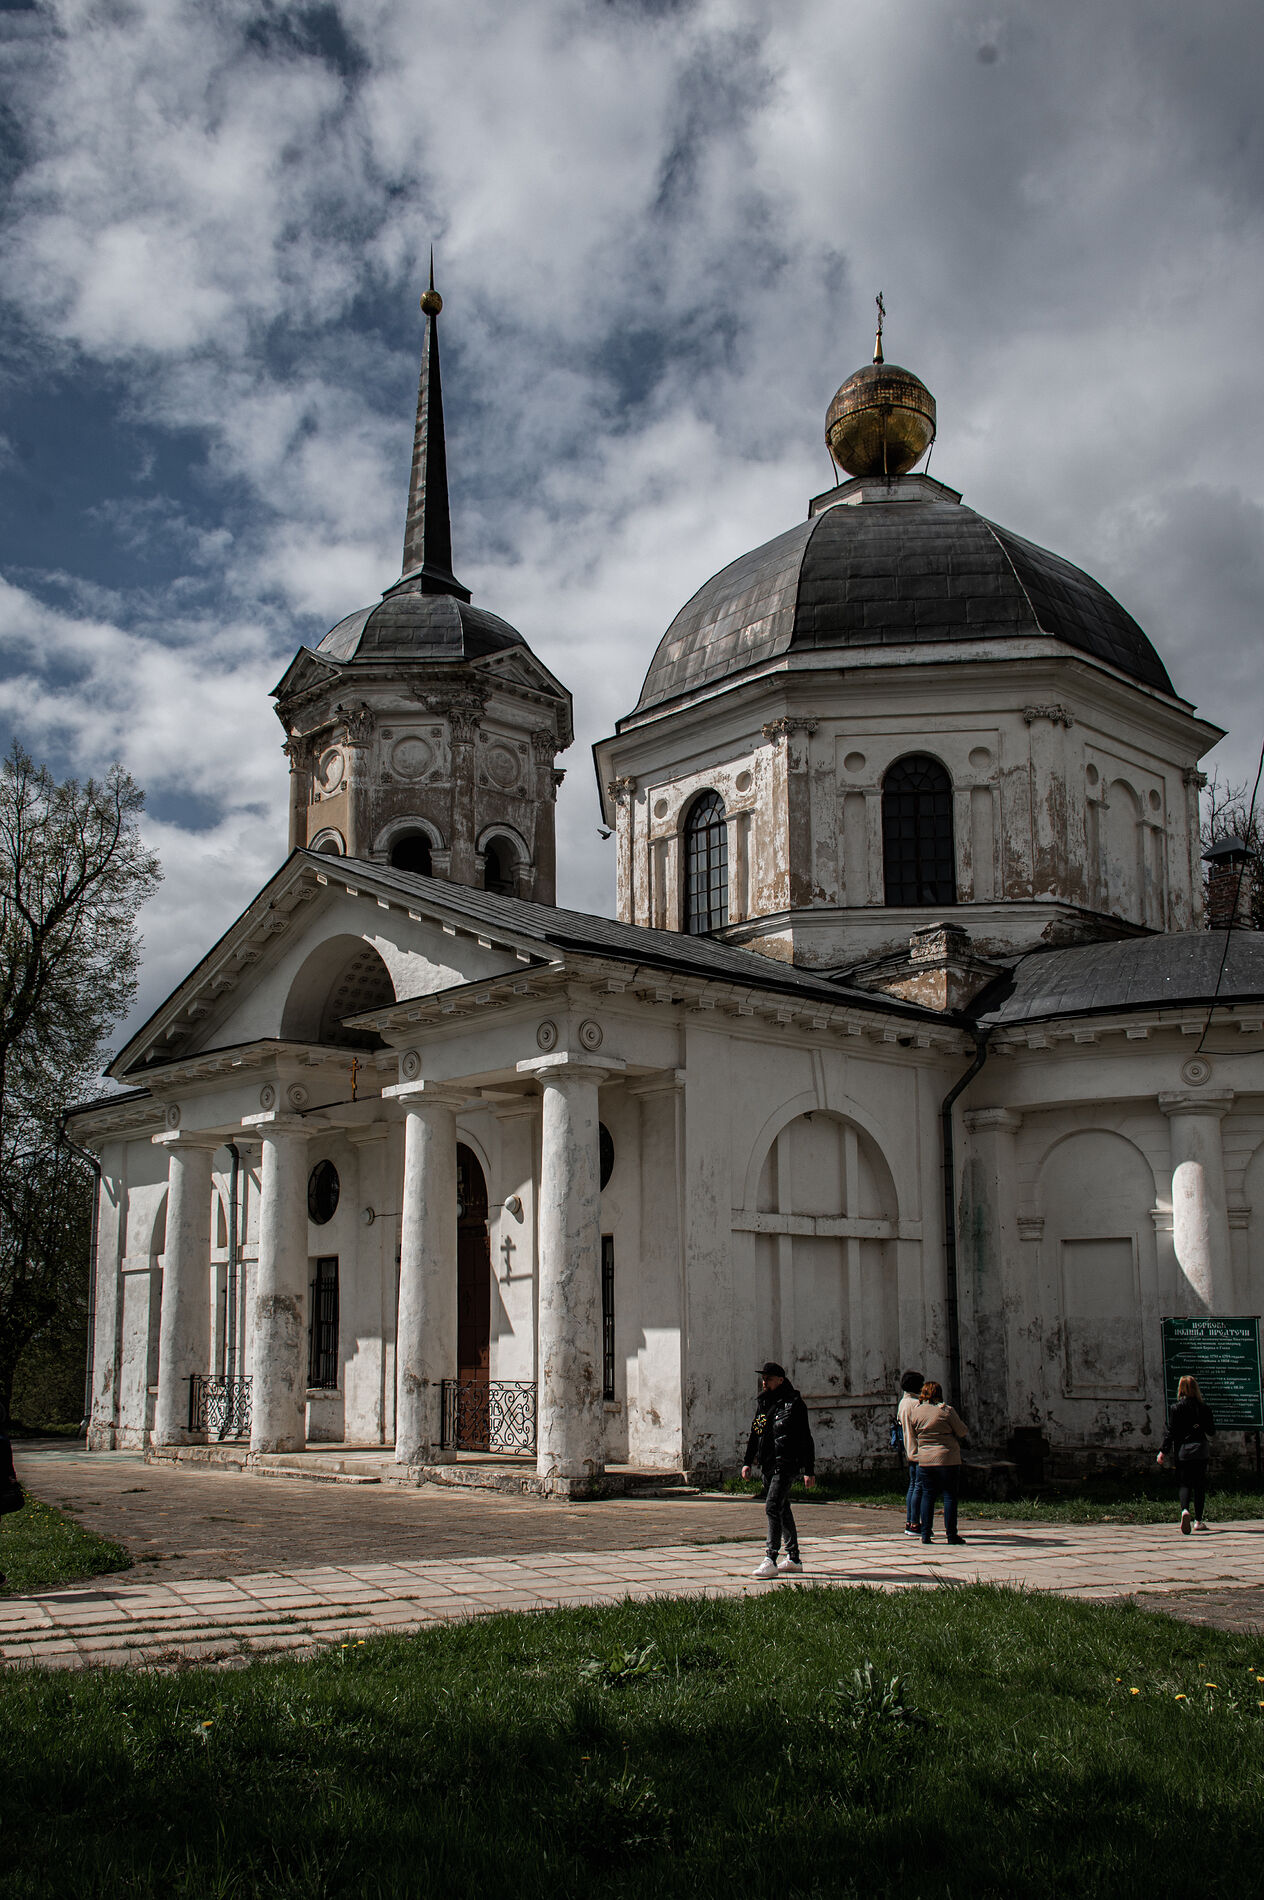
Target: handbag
[896, 1440]
[1192, 1452]
[12, 1496]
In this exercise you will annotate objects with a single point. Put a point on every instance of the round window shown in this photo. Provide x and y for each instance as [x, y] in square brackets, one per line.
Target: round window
[605, 1152]
[322, 1192]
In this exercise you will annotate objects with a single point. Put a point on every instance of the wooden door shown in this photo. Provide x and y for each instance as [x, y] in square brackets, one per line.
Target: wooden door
[473, 1299]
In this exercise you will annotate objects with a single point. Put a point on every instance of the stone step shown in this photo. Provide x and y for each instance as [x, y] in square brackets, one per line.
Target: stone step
[507, 1476]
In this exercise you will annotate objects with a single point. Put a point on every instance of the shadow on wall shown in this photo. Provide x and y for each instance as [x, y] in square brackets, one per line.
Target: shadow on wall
[341, 977]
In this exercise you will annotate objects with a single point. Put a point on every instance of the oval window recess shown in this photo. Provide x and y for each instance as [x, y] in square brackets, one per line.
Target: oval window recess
[323, 1189]
[605, 1152]
[743, 782]
[980, 758]
[854, 762]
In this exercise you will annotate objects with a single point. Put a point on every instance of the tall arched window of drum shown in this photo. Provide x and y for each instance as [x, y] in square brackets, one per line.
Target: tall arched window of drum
[917, 851]
[706, 865]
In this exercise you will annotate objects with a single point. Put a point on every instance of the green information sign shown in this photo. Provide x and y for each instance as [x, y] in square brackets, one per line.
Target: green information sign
[1224, 1357]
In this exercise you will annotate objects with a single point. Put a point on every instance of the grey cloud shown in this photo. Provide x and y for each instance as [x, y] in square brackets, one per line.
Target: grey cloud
[660, 229]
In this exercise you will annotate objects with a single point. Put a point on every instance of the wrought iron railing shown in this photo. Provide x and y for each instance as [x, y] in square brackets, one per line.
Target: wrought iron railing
[488, 1415]
[219, 1407]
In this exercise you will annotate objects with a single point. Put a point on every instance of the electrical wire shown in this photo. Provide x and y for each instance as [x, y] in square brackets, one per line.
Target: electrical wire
[1233, 915]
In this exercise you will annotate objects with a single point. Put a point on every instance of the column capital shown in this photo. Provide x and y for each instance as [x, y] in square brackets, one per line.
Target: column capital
[561, 1067]
[984, 1118]
[1213, 1102]
[272, 1121]
[421, 1094]
[188, 1142]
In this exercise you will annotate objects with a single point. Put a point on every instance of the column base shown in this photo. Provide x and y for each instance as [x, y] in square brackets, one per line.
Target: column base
[417, 1454]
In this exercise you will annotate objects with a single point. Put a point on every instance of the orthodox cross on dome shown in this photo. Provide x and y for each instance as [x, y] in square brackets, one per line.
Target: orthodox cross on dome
[877, 341]
[428, 529]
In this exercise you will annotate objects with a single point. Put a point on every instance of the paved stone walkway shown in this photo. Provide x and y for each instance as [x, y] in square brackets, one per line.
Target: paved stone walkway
[203, 1521]
[301, 1610]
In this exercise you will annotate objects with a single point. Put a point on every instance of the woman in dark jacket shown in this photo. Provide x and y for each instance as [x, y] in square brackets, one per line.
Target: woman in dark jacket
[1185, 1439]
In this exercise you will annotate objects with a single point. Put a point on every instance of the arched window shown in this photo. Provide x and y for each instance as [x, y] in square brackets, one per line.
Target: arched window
[412, 853]
[498, 867]
[917, 853]
[706, 865]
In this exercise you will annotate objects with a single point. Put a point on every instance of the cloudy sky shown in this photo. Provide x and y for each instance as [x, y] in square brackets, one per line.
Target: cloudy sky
[659, 225]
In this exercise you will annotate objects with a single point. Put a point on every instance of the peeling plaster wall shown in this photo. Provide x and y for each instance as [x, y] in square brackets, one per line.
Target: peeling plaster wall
[1070, 796]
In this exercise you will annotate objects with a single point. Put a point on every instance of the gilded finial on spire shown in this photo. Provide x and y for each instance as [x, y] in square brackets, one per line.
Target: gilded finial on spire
[431, 301]
[882, 421]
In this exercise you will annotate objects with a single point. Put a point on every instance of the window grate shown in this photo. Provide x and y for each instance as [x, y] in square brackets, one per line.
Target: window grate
[322, 1327]
[706, 865]
[917, 844]
[607, 1316]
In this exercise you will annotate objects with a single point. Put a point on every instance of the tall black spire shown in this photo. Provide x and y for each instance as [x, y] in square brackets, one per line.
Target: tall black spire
[428, 530]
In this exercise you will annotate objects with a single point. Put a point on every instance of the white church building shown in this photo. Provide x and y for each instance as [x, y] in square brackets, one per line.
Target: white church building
[901, 1051]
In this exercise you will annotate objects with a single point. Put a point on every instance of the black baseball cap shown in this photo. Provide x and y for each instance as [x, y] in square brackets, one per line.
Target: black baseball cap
[771, 1370]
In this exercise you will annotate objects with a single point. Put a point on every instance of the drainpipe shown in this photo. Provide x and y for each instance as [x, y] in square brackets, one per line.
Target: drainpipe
[230, 1278]
[94, 1162]
[950, 1215]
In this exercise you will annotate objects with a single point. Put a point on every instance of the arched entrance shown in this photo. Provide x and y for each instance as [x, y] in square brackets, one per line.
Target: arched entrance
[473, 1299]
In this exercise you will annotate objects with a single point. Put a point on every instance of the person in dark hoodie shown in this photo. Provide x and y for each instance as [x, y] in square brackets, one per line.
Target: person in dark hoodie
[781, 1442]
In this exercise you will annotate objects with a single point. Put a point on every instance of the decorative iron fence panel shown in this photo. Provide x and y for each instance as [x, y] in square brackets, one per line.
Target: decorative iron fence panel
[488, 1415]
[219, 1407]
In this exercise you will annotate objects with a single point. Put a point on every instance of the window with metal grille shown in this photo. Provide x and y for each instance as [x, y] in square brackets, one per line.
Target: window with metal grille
[917, 850]
[706, 865]
[322, 1326]
[607, 1316]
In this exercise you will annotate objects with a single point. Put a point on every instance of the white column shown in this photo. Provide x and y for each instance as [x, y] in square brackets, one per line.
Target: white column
[367, 1315]
[278, 1389]
[107, 1269]
[570, 1426]
[425, 1347]
[184, 1333]
[1200, 1220]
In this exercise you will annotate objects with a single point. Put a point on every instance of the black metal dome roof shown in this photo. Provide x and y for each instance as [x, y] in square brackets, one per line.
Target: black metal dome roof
[407, 624]
[913, 570]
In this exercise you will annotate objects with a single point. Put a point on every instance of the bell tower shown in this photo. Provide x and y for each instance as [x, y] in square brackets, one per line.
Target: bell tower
[422, 731]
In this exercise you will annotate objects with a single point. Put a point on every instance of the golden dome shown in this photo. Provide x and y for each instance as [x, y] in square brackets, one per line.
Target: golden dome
[882, 420]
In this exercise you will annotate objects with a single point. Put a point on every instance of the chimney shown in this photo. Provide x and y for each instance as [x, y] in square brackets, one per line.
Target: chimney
[1230, 884]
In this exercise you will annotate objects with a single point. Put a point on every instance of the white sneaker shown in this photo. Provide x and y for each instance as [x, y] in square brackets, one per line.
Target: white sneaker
[1184, 1523]
[1199, 1525]
[790, 1567]
[767, 1569]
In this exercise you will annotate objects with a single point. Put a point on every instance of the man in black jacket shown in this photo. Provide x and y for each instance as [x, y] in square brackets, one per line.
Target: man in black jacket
[781, 1440]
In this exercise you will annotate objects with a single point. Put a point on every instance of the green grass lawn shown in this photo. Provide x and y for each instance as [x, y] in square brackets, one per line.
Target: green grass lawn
[41, 1548]
[1147, 1498]
[1036, 1747]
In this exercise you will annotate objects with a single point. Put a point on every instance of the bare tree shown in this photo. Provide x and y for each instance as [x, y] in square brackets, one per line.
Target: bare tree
[74, 873]
[1227, 813]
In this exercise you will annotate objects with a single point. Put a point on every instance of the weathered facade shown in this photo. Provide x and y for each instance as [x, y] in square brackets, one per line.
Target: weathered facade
[414, 1158]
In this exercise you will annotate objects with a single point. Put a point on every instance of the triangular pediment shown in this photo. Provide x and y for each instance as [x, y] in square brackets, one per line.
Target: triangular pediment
[306, 671]
[326, 938]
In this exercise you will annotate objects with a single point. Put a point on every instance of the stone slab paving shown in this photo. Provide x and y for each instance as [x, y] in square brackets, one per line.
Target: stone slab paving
[200, 1520]
[300, 1611]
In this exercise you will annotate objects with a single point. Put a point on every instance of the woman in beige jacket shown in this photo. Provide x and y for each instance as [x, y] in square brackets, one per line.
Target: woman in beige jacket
[935, 1435]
